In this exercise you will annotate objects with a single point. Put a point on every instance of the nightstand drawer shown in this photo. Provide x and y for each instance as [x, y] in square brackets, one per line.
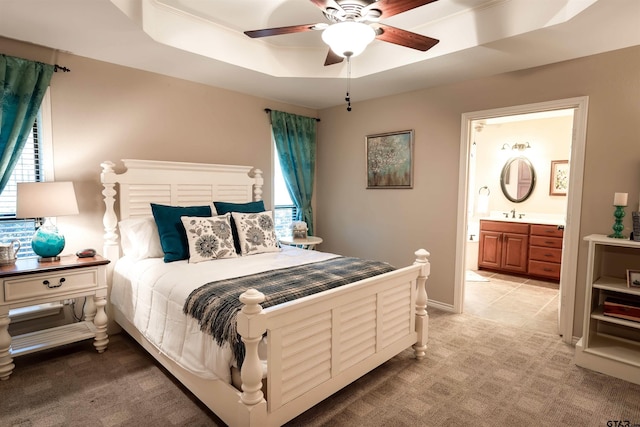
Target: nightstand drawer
[49, 284]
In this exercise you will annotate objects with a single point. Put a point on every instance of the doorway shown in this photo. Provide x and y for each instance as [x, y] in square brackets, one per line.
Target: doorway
[468, 186]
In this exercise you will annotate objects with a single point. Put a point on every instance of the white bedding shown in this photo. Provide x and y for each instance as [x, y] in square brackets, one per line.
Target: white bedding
[151, 293]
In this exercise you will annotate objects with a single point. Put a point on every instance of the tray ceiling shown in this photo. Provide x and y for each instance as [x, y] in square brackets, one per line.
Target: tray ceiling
[203, 41]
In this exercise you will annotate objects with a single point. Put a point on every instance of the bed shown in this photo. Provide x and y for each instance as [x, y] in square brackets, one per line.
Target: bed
[295, 354]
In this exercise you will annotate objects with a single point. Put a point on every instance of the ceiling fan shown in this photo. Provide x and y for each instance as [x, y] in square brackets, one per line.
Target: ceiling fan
[353, 24]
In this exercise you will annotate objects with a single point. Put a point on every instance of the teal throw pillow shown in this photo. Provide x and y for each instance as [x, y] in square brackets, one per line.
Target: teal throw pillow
[249, 207]
[173, 237]
[227, 207]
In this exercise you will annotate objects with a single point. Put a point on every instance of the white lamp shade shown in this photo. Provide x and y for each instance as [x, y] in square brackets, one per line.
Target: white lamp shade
[45, 199]
[348, 38]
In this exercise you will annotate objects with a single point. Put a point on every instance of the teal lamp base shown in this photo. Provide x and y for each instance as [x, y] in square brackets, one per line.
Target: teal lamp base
[617, 226]
[47, 243]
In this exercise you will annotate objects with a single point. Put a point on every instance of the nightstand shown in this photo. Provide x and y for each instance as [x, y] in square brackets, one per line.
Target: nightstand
[305, 242]
[30, 282]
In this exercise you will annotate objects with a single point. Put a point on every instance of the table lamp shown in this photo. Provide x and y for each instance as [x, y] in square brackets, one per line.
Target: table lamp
[46, 200]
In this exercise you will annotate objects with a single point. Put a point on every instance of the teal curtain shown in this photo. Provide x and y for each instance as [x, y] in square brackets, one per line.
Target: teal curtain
[295, 138]
[23, 84]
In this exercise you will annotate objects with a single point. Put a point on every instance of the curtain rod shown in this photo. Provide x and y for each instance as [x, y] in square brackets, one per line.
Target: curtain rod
[268, 110]
[56, 67]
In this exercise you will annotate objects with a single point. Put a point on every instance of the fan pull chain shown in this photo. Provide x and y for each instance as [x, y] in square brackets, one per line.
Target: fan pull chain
[348, 97]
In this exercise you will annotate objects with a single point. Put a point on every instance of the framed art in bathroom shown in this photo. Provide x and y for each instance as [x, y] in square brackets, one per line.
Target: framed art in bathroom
[390, 160]
[559, 178]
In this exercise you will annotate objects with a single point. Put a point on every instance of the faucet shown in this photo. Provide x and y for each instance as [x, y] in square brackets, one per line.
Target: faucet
[513, 213]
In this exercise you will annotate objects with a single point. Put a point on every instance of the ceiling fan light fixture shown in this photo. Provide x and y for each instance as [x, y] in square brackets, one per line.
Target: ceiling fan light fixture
[348, 38]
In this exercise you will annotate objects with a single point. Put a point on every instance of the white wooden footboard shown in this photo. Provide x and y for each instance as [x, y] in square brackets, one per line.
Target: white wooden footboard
[321, 343]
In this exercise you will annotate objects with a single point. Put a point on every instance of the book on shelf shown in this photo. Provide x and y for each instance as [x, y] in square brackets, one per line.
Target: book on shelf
[628, 309]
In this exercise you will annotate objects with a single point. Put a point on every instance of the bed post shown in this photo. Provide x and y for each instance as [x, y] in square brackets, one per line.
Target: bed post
[422, 317]
[251, 331]
[257, 187]
[111, 249]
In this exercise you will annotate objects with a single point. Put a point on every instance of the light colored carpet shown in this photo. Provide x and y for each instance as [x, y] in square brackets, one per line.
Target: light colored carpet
[477, 373]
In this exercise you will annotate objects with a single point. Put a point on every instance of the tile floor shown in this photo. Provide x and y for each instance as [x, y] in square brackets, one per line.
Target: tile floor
[516, 301]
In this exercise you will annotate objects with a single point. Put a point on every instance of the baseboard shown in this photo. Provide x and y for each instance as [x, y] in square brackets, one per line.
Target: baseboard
[440, 306]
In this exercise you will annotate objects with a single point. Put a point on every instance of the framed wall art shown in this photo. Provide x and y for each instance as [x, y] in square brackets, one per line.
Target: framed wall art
[633, 278]
[559, 180]
[390, 160]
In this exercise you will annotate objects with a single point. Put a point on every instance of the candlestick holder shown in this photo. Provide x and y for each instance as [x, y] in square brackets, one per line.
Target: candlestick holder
[617, 226]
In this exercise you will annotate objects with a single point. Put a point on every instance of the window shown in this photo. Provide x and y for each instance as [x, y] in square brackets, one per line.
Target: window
[28, 169]
[284, 212]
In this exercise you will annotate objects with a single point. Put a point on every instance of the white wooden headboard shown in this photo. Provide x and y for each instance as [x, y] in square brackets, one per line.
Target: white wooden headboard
[170, 183]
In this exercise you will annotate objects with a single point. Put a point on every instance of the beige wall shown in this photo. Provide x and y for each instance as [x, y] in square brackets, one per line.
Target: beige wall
[391, 224]
[107, 112]
[102, 111]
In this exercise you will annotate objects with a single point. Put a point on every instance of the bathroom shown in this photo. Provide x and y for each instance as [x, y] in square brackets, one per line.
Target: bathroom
[540, 144]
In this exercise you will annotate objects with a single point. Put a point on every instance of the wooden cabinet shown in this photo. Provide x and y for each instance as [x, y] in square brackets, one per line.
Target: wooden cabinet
[545, 251]
[610, 344]
[522, 248]
[504, 246]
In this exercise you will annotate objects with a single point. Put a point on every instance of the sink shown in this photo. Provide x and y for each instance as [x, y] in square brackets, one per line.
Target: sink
[532, 218]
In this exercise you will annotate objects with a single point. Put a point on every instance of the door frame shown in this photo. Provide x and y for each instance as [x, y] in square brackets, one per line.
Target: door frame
[568, 272]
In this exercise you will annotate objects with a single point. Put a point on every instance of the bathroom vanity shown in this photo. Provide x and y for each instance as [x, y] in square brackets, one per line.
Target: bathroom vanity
[520, 247]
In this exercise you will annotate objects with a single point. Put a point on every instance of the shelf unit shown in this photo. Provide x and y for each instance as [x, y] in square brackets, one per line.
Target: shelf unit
[610, 345]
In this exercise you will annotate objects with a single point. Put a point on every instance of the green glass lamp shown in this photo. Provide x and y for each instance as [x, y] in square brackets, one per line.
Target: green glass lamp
[46, 200]
[619, 202]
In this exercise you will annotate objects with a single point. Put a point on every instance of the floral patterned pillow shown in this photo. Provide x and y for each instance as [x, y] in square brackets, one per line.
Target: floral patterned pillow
[209, 238]
[256, 232]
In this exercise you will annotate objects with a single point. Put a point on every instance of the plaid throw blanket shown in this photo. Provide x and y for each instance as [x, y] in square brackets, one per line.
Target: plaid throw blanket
[216, 304]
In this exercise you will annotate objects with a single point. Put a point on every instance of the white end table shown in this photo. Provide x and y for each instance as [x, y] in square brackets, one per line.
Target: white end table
[308, 242]
[29, 282]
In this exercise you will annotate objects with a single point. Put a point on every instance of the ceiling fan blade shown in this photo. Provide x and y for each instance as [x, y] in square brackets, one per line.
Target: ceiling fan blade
[404, 38]
[281, 30]
[333, 58]
[394, 7]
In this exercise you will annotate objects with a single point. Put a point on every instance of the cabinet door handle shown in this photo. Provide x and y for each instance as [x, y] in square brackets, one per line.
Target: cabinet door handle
[549, 243]
[548, 255]
[50, 286]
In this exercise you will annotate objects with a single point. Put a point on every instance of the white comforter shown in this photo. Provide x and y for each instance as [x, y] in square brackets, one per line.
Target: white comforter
[151, 293]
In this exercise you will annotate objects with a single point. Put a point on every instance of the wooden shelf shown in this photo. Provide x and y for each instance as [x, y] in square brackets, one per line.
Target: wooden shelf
[615, 348]
[52, 337]
[598, 314]
[615, 284]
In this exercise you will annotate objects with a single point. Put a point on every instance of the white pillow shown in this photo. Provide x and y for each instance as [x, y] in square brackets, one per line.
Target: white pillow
[209, 238]
[256, 232]
[140, 238]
